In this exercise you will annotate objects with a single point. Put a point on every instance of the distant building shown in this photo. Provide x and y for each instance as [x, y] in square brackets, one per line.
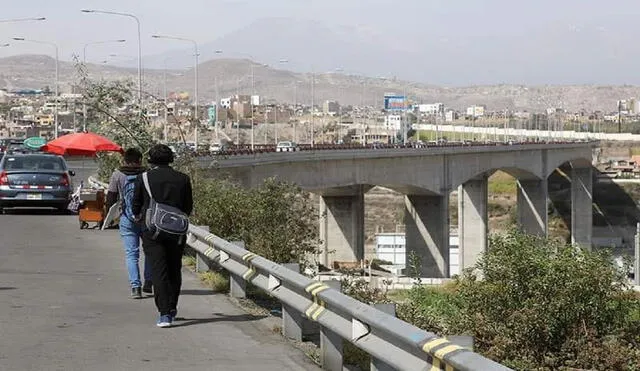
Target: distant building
[431, 109]
[476, 111]
[225, 103]
[391, 248]
[330, 107]
[451, 116]
[393, 122]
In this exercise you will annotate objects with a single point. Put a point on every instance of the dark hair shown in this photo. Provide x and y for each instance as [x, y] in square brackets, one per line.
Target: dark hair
[132, 156]
[160, 154]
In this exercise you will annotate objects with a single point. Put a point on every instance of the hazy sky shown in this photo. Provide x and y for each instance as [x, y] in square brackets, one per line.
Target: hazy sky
[491, 30]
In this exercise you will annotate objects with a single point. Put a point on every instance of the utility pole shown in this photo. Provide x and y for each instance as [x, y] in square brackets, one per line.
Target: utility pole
[619, 117]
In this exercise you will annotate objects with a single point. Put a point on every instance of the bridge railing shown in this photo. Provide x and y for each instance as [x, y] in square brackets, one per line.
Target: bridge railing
[240, 150]
[386, 338]
[392, 343]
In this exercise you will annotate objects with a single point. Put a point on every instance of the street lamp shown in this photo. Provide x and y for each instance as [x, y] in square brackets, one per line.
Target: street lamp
[139, 44]
[22, 19]
[275, 112]
[195, 70]
[55, 118]
[84, 52]
[84, 61]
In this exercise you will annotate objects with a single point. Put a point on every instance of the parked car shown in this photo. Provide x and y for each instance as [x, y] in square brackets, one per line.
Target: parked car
[35, 180]
[286, 147]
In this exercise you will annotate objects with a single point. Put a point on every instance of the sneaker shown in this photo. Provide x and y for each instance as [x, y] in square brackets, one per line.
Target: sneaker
[173, 313]
[147, 288]
[136, 293]
[164, 321]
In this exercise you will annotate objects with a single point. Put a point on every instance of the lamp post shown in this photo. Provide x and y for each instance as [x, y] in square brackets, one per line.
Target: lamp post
[84, 61]
[195, 69]
[84, 50]
[22, 19]
[139, 44]
[275, 112]
[55, 115]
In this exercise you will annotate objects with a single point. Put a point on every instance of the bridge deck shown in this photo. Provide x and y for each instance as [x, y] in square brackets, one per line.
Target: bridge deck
[64, 306]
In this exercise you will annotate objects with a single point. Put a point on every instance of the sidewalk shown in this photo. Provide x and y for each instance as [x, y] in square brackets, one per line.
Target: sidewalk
[64, 305]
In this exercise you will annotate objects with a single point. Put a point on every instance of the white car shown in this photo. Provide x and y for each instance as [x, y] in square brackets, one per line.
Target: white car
[286, 147]
[215, 148]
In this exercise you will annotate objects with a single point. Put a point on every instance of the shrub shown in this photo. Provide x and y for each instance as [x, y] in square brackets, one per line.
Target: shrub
[275, 220]
[540, 305]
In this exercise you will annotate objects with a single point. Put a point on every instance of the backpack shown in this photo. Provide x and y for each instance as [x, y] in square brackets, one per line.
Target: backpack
[163, 219]
[127, 191]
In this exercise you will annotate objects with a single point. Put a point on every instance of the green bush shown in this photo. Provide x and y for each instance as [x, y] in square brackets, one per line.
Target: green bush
[540, 304]
[275, 220]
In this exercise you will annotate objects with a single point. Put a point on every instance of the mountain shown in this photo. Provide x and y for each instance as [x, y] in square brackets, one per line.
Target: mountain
[234, 76]
[441, 51]
[307, 45]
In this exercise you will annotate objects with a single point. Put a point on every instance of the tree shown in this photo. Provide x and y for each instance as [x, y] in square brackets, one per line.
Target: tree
[275, 220]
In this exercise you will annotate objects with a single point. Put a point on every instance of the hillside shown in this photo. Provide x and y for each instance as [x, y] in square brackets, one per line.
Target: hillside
[233, 75]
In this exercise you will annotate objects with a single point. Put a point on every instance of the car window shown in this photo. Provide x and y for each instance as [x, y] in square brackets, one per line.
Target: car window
[34, 163]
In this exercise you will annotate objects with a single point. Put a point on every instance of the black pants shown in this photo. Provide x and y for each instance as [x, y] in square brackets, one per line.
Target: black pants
[165, 254]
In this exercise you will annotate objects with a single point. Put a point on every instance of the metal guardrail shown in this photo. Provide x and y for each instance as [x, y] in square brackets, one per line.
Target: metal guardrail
[255, 158]
[392, 343]
[244, 150]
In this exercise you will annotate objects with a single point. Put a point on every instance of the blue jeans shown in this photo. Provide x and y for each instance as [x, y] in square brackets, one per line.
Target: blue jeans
[131, 234]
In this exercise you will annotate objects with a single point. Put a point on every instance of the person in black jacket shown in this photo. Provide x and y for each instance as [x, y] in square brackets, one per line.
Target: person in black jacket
[172, 188]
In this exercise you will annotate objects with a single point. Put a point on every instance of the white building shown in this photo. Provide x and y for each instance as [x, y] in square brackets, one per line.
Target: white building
[225, 103]
[255, 100]
[393, 122]
[431, 109]
[475, 111]
[391, 247]
[450, 116]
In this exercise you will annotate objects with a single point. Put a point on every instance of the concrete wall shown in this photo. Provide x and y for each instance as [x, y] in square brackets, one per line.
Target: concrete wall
[490, 132]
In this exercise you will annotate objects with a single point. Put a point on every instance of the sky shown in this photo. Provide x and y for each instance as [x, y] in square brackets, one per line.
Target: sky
[482, 41]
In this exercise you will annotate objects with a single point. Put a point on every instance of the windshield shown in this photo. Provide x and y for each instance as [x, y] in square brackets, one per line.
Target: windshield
[33, 163]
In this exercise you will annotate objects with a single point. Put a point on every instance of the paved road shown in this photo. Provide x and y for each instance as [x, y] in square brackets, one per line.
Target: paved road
[64, 306]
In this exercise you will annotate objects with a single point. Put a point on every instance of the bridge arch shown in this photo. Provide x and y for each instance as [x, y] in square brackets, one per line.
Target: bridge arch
[579, 162]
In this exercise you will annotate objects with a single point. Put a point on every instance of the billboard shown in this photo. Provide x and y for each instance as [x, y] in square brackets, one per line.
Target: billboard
[394, 102]
[211, 112]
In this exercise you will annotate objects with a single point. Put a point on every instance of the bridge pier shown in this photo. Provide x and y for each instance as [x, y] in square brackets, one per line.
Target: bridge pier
[342, 228]
[581, 206]
[532, 207]
[472, 220]
[427, 234]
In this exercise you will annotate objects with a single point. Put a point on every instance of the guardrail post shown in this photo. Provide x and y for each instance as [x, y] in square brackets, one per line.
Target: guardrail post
[636, 256]
[292, 320]
[202, 263]
[237, 284]
[376, 364]
[331, 343]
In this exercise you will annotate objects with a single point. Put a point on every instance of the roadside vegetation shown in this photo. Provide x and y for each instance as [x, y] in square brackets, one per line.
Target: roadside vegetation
[541, 305]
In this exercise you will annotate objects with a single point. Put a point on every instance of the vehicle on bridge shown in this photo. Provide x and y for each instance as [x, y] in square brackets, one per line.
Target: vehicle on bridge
[286, 146]
[35, 180]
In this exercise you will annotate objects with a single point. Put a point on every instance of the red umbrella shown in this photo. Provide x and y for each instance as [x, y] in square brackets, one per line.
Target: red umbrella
[81, 144]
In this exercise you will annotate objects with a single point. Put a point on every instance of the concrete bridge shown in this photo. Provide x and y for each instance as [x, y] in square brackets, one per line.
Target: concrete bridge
[426, 176]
